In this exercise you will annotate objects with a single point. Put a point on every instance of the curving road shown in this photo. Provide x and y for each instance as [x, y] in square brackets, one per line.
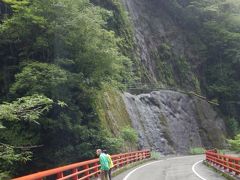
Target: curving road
[178, 168]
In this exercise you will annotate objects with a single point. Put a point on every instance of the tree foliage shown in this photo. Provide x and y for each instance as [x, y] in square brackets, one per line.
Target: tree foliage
[129, 135]
[55, 55]
[235, 143]
[222, 37]
[38, 77]
[28, 108]
[217, 26]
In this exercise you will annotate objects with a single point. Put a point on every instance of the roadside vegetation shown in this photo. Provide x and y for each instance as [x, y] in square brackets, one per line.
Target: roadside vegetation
[197, 150]
[235, 143]
[56, 56]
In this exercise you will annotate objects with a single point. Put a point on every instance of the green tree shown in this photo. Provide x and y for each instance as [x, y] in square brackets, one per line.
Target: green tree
[41, 78]
[216, 25]
[235, 143]
[64, 50]
[28, 109]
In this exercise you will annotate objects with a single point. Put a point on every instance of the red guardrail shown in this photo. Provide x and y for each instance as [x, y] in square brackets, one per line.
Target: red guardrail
[86, 169]
[232, 164]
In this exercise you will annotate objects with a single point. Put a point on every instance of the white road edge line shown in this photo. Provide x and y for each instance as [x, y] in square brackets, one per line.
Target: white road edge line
[130, 173]
[195, 172]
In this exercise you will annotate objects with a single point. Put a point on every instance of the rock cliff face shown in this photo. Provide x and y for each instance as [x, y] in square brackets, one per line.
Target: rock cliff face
[172, 122]
[163, 47]
[167, 121]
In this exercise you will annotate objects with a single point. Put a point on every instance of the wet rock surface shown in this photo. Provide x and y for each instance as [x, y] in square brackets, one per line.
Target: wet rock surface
[162, 42]
[173, 122]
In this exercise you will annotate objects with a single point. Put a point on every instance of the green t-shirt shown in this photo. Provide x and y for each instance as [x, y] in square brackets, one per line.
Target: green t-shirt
[104, 162]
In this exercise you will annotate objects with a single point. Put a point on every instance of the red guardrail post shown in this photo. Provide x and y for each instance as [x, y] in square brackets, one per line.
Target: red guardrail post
[96, 169]
[237, 162]
[237, 166]
[129, 158]
[221, 161]
[120, 161]
[229, 165]
[224, 162]
[75, 170]
[218, 160]
[132, 157]
[136, 156]
[87, 172]
[117, 162]
[59, 175]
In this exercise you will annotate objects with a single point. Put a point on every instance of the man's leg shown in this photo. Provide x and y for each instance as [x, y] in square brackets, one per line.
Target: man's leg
[104, 175]
[110, 174]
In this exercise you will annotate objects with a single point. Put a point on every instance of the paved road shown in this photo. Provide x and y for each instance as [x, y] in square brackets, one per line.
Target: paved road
[178, 168]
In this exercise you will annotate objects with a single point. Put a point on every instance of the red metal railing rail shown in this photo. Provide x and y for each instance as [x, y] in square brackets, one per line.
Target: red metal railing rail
[232, 164]
[85, 170]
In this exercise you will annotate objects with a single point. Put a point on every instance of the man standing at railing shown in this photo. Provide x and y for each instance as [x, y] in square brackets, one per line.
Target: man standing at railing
[110, 164]
[104, 162]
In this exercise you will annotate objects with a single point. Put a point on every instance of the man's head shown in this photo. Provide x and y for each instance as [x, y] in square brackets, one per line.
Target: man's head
[98, 151]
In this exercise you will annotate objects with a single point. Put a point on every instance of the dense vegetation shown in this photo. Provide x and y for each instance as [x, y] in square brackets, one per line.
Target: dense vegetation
[235, 143]
[55, 55]
[213, 28]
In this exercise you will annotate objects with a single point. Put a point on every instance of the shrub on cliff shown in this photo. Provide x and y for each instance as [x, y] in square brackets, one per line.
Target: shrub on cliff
[235, 143]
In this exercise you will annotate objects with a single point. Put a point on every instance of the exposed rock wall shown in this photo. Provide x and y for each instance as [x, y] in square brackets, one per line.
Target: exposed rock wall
[167, 121]
[165, 49]
[172, 122]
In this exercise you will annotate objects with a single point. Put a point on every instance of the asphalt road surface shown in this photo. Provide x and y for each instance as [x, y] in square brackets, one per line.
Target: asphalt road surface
[177, 168]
